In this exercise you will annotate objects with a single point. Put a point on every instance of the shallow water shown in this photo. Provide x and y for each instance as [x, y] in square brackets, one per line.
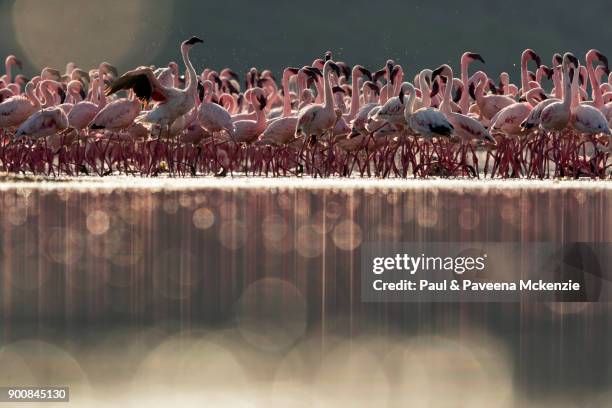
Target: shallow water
[122, 286]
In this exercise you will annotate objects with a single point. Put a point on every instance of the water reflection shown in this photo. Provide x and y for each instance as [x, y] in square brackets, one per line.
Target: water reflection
[251, 297]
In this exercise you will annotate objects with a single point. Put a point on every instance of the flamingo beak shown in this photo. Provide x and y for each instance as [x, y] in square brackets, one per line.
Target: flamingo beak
[549, 72]
[535, 57]
[602, 58]
[476, 57]
[19, 63]
[193, 40]
[366, 73]
[113, 70]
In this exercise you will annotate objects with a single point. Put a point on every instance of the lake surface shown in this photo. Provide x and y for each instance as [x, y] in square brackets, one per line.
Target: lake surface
[247, 292]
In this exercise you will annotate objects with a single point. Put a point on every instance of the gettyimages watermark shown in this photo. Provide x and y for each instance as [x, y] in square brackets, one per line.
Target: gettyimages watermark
[486, 272]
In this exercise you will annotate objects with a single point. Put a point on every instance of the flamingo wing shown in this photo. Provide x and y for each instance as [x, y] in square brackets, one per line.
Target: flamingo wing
[144, 84]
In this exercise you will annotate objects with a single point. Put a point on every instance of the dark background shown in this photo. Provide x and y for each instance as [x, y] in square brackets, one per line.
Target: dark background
[273, 34]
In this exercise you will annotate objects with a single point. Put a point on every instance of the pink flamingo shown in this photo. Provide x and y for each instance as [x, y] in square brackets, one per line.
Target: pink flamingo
[556, 116]
[509, 119]
[526, 56]
[212, 116]
[489, 105]
[15, 110]
[465, 127]
[43, 123]
[466, 59]
[247, 131]
[10, 62]
[315, 120]
[84, 112]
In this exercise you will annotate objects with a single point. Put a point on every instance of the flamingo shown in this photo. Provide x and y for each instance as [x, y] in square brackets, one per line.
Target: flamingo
[488, 105]
[247, 131]
[509, 120]
[15, 110]
[556, 116]
[466, 59]
[428, 122]
[172, 103]
[10, 62]
[465, 127]
[315, 120]
[84, 112]
[212, 116]
[43, 123]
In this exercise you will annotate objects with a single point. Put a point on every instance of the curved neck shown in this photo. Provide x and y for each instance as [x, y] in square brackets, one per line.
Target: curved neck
[7, 66]
[101, 95]
[479, 92]
[530, 96]
[594, 80]
[557, 83]
[574, 89]
[409, 107]
[328, 97]
[229, 99]
[355, 93]
[191, 74]
[524, 75]
[32, 96]
[445, 106]
[425, 98]
[568, 88]
[464, 102]
[398, 81]
[49, 98]
[286, 95]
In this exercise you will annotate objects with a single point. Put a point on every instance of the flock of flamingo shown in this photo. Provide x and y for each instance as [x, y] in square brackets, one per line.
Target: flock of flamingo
[325, 119]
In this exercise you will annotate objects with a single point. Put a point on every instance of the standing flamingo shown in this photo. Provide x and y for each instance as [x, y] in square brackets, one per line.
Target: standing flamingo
[84, 112]
[466, 59]
[15, 110]
[315, 120]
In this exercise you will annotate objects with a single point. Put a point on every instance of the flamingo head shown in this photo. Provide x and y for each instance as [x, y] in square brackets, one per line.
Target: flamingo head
[547, 71]
[228, 73]
[344, 69]
[372, 87]
[472, 56]
[364, 72]
[442, 69]
[568, 58]
[109, 69]
[333, 66]
[12, 60]
[530, 54]
[21, 79]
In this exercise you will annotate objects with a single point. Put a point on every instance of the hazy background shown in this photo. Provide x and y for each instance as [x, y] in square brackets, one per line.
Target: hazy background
[273, 34]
